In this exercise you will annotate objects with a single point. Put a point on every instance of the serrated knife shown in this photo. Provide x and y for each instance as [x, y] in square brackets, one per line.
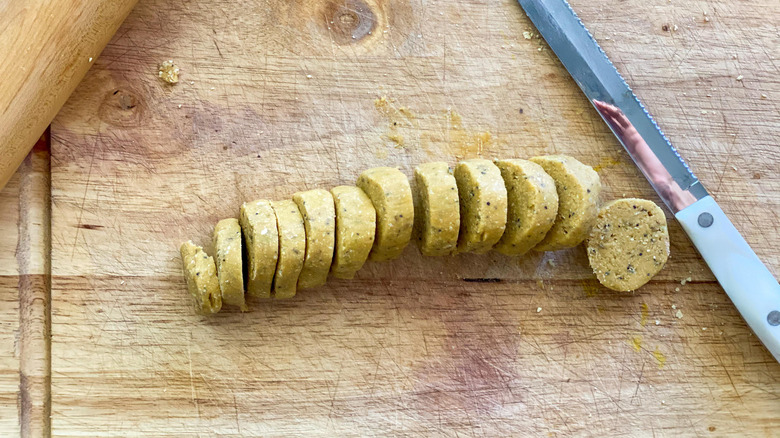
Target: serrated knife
[746, 280]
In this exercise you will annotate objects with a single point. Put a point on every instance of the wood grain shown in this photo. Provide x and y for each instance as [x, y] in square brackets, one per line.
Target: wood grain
[277, 97]
[45, 48]
[24, 298]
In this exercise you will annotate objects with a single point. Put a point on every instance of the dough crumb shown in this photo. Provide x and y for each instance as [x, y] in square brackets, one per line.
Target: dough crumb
[740, 77]
[657, 322]
[169, 72]
[685, 280]
[538, 309]
[679, 314]
[528, 35]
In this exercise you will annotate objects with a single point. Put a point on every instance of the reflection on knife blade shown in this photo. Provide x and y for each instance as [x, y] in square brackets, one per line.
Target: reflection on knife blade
[644, 157]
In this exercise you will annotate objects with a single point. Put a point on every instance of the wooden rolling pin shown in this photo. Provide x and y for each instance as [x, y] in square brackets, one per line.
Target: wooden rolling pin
[46, 47]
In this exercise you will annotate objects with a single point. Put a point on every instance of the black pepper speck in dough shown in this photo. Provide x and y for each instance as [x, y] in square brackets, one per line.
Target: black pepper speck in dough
[628, 244]
[230, 269]
[483, 205]
[292, 248]
[578, 187]
[532, 205]
[201, 275]
[319, 220]
[391, 196]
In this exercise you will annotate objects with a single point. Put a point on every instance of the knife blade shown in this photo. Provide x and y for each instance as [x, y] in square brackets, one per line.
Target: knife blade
[746, 280]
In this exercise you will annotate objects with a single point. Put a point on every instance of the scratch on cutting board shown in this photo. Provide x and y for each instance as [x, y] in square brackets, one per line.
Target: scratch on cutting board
[192, 379]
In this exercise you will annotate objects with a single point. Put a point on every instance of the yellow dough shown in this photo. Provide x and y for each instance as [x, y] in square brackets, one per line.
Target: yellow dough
[319, 220]
[578, 187]
[391, 196]
[258, 222]
[230, 269]
[292, 247]
[532, 205]
[201, 275]
[355, 227]
[483, 205]
[628, 244]
[437, 213]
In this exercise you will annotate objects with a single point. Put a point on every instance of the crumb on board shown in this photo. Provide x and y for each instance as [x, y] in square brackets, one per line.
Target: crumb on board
[679, 314]
[538, 309]
[740, 77]
[169, 72]
[551, 262]
[685, 280]
[677, 289]
[764, 96]
[528, 35]
[657, 322]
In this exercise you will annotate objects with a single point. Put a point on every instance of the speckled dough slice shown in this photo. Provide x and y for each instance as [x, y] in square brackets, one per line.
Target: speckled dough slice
[391, 196]
[355, 227]
[483, 205]
[258, 222]
[437, 213]
[292, 247]
[319, 220]
[578, 187]
[201, 275]
[628, 244]
[532, 205]
[230, 269]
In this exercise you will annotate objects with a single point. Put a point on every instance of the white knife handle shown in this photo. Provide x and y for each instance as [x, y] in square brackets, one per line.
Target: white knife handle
[746, 280]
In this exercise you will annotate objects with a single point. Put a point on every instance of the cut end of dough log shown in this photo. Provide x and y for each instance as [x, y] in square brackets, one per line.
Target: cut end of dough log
[628, 244]
[201, 275]
[229, 262]
[483, 205]
[319, 221]
[292, 248]
[532, 205]
[437, 211]
[578, 187]
[391, 196]
[355, 229]
[261, 240]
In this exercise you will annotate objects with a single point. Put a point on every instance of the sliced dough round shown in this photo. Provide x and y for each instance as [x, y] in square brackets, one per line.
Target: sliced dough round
[292, 247]
[532, 205]
[391, 196]
[578, 187]
[483, 205]
[230, 269]
[628, 244]
[355, 228]
[437, 213]
[201, 275]
[319, 220]
[258, 222]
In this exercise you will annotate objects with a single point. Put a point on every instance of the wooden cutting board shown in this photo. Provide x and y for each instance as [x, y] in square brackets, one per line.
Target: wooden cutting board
[281, 96]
